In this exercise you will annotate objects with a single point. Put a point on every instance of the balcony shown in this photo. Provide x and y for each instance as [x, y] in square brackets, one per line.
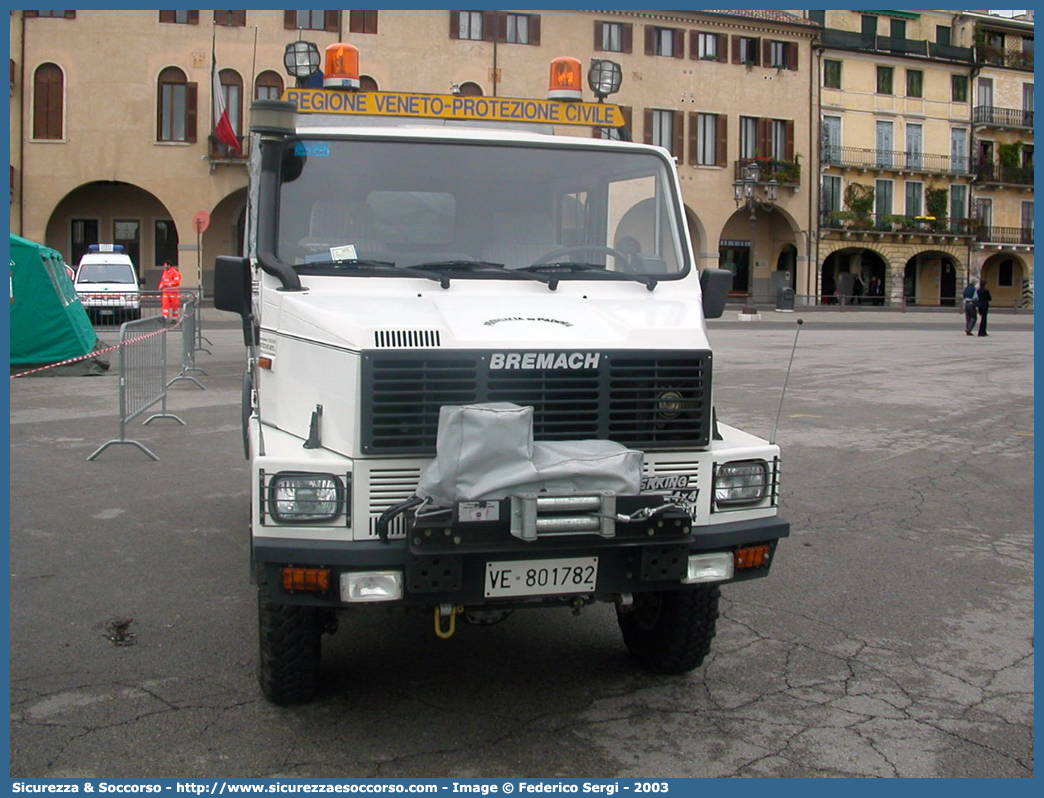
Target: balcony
[786, 173]
[1011, 236]
[852, 40]
[989, 116]
[995, 174]
[877, 224]
[219, 152]
[892, 160]
[1011, 59]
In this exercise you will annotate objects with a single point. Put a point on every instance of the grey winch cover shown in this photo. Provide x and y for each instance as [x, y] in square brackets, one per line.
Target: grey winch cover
[486, 451]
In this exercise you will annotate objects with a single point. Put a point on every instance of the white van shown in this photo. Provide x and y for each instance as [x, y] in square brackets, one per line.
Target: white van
[107, 284]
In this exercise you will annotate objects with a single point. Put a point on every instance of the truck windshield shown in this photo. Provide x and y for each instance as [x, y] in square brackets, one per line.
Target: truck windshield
[572, 211]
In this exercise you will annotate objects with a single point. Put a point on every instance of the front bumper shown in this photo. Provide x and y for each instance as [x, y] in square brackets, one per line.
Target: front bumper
[446, 563]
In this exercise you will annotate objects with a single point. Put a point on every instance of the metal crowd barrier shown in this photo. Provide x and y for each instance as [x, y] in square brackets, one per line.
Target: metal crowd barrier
[188, 321]
[143, 377]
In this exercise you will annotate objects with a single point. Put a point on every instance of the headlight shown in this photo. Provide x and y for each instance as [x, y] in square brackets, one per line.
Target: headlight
[305, 498]
[739, 483]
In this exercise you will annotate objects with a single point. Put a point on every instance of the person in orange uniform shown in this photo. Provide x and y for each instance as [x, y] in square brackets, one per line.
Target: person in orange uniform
[170, 285]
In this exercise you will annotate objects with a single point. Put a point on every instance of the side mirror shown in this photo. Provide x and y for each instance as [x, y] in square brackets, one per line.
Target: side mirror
[232, 290]
[715, 285]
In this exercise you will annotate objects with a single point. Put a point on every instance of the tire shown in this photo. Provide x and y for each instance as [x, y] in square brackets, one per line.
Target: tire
[670, 631]
[290, 647]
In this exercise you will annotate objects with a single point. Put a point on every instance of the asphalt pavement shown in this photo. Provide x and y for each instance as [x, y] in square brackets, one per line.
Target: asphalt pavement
[894, 637]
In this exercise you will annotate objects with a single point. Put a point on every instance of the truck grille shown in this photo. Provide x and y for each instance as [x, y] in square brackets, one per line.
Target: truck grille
[641, 399]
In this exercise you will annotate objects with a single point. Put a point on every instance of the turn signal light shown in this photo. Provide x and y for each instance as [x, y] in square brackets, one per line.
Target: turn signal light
[752, 556]
[306, 579]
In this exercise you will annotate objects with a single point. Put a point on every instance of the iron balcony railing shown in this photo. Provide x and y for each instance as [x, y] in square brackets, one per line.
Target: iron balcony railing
[1002, 117]
[852, 40]
[996, 173]
[852, 222]
[1004, 235]
[892, 160]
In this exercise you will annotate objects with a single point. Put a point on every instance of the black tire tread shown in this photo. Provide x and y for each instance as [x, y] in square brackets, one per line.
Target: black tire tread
[290, 647]
[680, 638]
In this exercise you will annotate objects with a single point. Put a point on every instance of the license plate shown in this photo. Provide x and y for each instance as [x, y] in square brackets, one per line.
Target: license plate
[541, 577]
[106, 312]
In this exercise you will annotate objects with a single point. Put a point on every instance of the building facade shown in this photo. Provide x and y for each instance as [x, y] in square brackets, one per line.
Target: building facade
[125, 152]
[912, 204]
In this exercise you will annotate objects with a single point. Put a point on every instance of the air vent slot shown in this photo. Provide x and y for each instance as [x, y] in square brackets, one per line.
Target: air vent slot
[406, 339]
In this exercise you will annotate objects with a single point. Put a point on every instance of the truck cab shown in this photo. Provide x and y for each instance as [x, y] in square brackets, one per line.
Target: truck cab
[479, 378]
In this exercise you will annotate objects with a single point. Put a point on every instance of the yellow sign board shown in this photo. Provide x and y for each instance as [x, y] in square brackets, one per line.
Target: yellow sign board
[450, 106]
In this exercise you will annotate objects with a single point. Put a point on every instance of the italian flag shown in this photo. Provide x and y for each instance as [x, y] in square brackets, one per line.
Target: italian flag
[222, 125]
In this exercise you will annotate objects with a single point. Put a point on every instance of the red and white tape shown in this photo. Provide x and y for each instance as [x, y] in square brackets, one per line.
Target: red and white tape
[97, 352]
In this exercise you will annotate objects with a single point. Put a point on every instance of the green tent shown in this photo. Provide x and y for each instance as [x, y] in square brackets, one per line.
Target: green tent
[48, 322]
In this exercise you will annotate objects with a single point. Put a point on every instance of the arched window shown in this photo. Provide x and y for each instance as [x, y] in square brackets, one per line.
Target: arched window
[366, 83]
[470, 89]
[48, 91]
[175, 107]
[268, 86]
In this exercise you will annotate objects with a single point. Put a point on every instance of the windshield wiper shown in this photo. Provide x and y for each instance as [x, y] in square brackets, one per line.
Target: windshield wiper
[485, 265]
[595, 268]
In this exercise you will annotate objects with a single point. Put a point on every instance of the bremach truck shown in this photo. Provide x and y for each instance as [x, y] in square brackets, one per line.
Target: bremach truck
[478, 376]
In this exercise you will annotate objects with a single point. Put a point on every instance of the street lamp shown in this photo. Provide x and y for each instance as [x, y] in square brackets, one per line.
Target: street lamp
[747, 190]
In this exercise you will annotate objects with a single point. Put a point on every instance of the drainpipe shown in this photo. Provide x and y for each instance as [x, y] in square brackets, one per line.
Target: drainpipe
[21, 137]
[812, 272]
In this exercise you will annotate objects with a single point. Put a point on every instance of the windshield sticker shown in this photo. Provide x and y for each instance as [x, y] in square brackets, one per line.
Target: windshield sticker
[317, 149]
[347, 252]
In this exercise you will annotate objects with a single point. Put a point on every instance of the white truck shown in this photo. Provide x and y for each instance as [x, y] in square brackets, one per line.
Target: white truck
[479, 378]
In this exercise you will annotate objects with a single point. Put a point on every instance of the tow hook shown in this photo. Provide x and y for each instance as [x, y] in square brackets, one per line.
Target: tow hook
[447, 611]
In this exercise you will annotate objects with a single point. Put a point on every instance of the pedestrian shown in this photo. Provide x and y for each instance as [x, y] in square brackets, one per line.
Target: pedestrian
[170, 285]
[984, 307]
[970, 312]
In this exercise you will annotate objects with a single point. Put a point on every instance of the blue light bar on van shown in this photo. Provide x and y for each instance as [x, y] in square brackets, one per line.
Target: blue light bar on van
[105, 248]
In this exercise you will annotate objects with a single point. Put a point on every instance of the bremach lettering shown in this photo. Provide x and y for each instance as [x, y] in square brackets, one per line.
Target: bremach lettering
[530, 361]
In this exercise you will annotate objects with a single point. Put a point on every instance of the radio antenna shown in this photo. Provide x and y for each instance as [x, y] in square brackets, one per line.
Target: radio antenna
[793, 349]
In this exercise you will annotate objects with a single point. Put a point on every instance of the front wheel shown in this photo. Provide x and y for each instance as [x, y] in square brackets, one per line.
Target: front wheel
[670, 631]
[290, 646]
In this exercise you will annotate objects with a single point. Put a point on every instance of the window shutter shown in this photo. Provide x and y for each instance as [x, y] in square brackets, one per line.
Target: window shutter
[194, 17]
[766, 53]
[650, 40]
[694, 140]
[678, 145]
[626, 111]
[333, 21]
[789, 149]
[490, 22]
[166, 16]
[647, 131]
[191, 95]
[534, 29]
[290, 20]
[501, 27]
[454, 24]
[70, 15]
[239, 18]
[598, 36]
[722, 155]
[679, 43]
[628, 35]
[764, 137]
[29, 14]
[737, 57]
[723, 47]
[694, 44]
[792, 56]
